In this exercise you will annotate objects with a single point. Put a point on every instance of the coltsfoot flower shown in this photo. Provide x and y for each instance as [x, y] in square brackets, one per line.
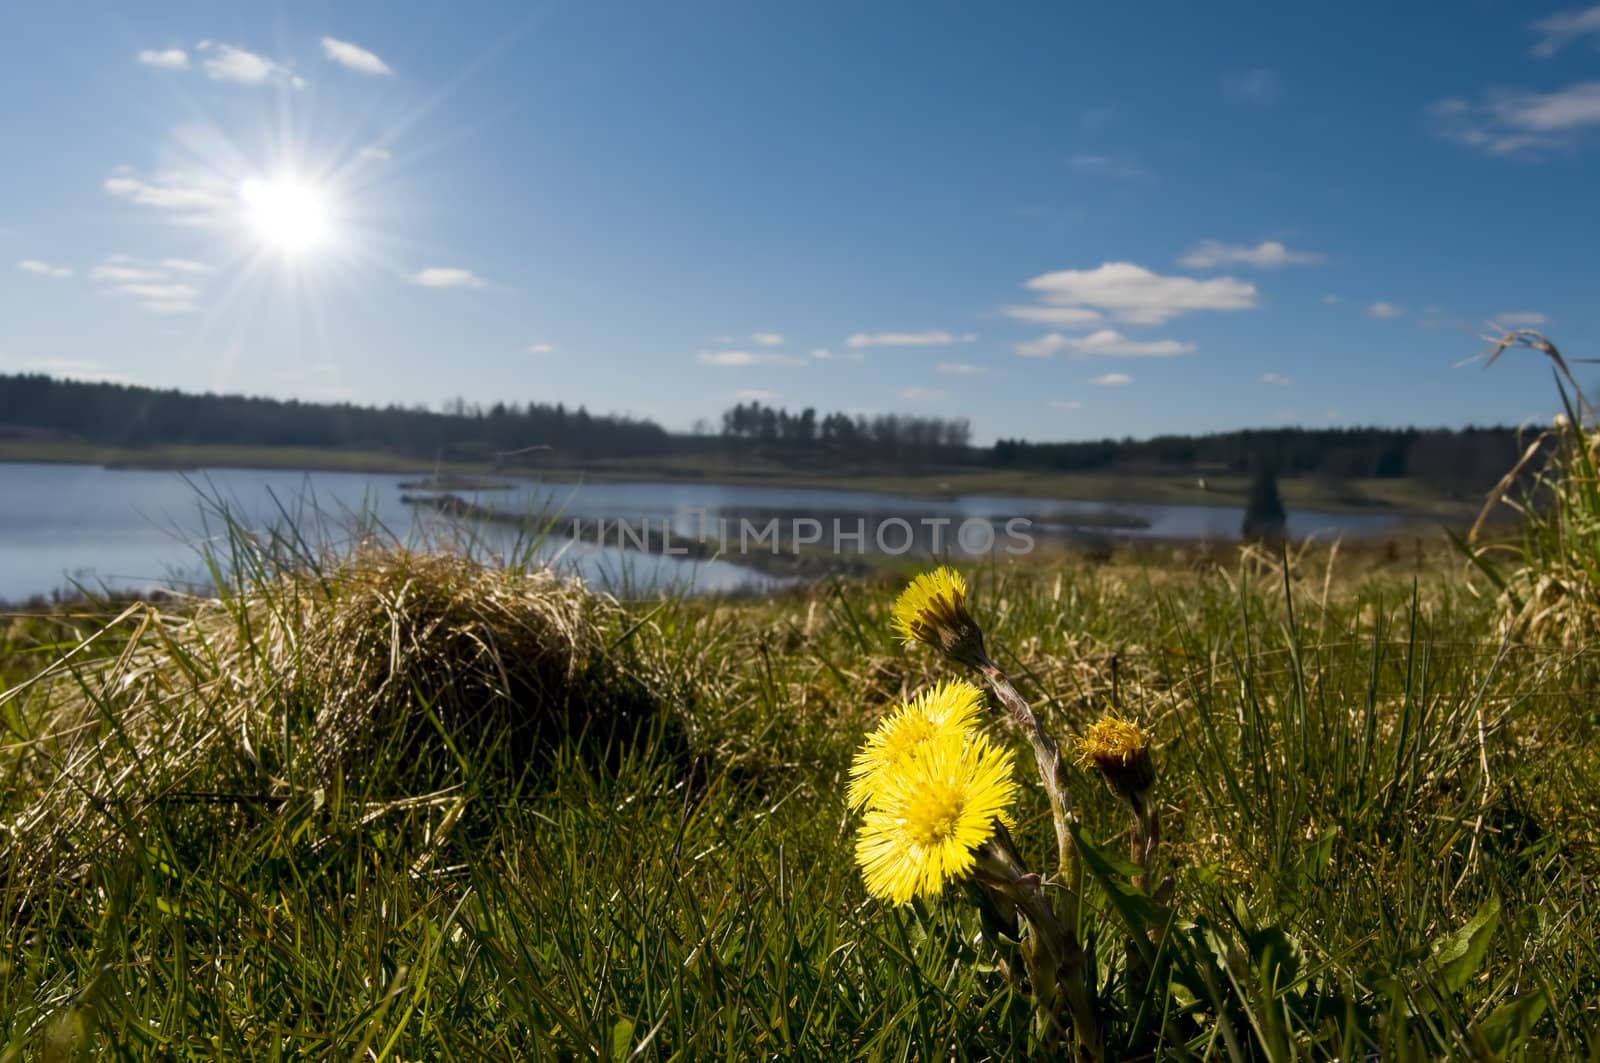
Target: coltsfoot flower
[1120, 750]
[945, 712]
[932, 814]
[933, 611]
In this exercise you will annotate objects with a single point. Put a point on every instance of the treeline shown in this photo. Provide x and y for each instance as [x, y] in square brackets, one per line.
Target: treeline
[533, 433]
[888, 435]
[125, 416]
[1465, 457]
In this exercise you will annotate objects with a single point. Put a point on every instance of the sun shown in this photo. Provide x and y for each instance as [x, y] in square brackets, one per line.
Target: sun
[287, 214]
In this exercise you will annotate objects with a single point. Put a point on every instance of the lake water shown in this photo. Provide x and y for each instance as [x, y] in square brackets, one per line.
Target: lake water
[66, 525]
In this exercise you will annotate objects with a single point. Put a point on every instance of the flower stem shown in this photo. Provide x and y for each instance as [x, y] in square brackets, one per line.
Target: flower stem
[1146, 835]
[1055, 961]
[1048, 756]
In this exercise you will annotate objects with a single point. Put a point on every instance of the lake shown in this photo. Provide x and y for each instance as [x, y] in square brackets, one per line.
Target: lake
[140, 529]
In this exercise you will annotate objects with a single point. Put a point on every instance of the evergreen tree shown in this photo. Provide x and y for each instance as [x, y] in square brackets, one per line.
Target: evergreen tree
[1264, 516]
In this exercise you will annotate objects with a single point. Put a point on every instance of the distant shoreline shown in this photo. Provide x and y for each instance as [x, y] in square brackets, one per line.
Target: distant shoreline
[1398, 496]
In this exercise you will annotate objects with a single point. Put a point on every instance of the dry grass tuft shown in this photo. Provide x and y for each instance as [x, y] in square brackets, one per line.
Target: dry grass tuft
[406, 670]
[1547, 580]
[393, 632]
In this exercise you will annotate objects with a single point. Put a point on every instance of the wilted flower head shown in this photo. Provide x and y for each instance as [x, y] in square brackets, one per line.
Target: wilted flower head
[943, 713]
[933, 611]
[1120, 751]
[934, 811]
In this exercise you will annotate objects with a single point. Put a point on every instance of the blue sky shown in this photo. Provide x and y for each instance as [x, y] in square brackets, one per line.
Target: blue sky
[1058, 220]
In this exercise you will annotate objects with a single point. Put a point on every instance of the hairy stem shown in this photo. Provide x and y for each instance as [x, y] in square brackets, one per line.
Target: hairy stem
[1048, 756]
[1055, 961]
[1146, 835]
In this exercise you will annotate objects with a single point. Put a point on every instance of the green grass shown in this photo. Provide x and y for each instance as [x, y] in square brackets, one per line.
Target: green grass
[406, 808]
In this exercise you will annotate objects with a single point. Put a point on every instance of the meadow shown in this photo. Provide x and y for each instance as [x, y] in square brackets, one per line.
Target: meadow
[391, 805]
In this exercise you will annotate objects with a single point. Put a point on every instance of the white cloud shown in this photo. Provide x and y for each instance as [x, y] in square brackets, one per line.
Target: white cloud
[44, 269]
[1516, 121]
[1260, 86]
[1137, 296]
[160, 293]
[165, 58]
[374, 154]
[446, 277]
[152, 282]
[743, 358]
[767, 339]
[1269, 254]
[187, 198]
[1060, 316]
[1551, 112]
[930, 338]
[237, 65]
[755, 395]
[541, 348]
[1332, 300]
[961, 369]
[1564, 27]
[185, 265]
[354, 57]
[1521, 318]
[118, 273]
[915, 394]
[1276, 378]
[1107, 343]
[1107, 166]
[1385, 311]
[122, 269]
[823, 354]
[226, 62]
[1113, 380]
[1064, 404]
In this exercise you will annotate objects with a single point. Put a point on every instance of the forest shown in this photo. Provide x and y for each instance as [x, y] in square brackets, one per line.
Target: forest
[126, 416]
[538, 433]
[1466, 457]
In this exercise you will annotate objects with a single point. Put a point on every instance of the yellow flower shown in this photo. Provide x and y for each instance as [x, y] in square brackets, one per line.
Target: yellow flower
[1120, 750]
[933, 611]
[934, 811]
[946, 712]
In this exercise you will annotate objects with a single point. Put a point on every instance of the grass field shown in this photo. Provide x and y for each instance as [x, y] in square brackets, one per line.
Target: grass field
[405, 808]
